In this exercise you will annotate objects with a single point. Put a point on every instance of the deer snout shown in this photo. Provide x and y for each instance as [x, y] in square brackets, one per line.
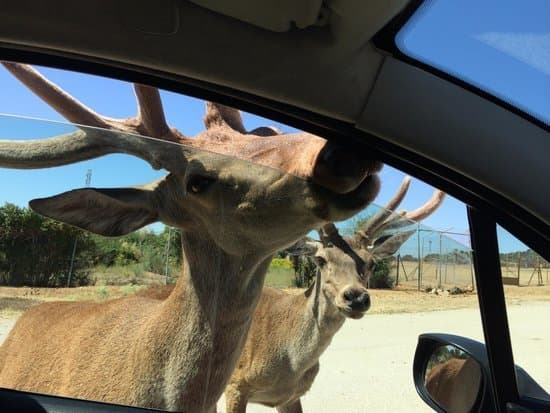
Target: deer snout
[342, 170]
[357, 300]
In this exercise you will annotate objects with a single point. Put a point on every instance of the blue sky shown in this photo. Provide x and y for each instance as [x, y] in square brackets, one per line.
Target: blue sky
[116, 99]
[455, 38]
[501, 46]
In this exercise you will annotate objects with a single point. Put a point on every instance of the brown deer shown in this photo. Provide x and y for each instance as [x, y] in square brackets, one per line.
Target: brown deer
[455, 384]
[289, 332]
[238, 197]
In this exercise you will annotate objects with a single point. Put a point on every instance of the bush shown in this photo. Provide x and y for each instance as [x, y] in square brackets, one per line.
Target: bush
[380, 277]
[305, 271]
[36, 251]
[281, 263]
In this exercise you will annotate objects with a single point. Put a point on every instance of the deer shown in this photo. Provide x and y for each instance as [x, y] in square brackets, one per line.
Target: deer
[237, 196]
[458, 383]
[289, 332]
[455, 384]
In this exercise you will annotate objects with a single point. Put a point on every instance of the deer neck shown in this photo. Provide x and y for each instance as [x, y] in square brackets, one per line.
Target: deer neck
[202, 325]
[320, 321]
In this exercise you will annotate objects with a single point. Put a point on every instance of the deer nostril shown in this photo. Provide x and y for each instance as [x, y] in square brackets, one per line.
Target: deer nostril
[365, 300]
[357, 300]
[349, 295]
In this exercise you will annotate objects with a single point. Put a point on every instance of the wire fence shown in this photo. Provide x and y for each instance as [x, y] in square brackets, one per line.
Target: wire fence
[432, 259]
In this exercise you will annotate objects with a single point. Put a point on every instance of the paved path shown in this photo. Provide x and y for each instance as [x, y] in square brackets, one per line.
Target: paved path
[368, 367]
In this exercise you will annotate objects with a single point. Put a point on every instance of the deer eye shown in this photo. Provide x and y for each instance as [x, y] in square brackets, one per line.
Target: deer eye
[320, 261]
[198, 184]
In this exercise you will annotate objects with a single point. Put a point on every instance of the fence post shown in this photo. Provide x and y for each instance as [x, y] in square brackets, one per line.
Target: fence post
[419, 258]
[72, 263]
[397, 275]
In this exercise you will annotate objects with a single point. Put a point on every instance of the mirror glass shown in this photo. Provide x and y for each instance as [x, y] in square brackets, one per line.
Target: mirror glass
[453, 379]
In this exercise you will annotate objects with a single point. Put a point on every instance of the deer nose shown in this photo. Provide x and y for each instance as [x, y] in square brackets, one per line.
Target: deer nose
[357, 300]
[341, 170]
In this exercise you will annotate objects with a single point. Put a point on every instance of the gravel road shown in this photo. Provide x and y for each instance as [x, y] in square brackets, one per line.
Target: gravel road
[368, 367]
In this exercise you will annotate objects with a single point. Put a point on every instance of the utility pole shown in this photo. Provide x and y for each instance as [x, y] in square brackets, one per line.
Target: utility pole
[87, 182]
[167, 255]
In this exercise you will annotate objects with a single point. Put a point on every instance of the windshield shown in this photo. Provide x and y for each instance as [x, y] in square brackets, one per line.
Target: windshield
[499, 46]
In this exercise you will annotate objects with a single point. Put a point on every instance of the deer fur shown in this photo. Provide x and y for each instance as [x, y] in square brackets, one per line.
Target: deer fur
[235, 209]
[455, 384]
[289, 332]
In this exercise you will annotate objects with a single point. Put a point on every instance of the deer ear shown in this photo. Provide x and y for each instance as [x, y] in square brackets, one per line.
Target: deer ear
[305, 246]
[109, 212]
[388, 245]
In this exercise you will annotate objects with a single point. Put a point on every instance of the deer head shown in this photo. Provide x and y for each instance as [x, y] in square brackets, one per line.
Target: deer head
[252, 182]
[346, 264]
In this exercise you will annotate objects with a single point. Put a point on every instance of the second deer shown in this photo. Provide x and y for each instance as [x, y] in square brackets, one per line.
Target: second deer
[289, 332]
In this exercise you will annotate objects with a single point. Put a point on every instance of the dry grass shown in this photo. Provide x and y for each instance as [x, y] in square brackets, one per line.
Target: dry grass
[13, 300]
[402, 300]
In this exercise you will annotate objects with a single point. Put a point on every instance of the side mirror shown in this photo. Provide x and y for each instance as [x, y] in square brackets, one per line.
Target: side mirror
[453, 379]
[451, 374]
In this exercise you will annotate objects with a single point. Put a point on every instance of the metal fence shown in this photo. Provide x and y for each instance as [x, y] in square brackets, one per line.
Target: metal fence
[432, 259]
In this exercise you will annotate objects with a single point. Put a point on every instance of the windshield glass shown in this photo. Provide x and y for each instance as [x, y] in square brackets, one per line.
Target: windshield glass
[499, 46]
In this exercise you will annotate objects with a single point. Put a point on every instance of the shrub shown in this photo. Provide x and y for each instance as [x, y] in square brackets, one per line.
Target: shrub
[281, 263]
[305, 271]
[381, 278]
[36, 251]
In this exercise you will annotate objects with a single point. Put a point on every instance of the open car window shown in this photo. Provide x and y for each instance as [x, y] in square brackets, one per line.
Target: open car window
[421, 283]
[525, 276]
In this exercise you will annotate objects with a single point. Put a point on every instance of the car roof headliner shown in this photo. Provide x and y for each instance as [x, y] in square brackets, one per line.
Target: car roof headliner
[318, 57]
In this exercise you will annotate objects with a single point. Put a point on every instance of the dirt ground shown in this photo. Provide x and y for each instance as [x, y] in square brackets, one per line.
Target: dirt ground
[368, 366]
[402, 300]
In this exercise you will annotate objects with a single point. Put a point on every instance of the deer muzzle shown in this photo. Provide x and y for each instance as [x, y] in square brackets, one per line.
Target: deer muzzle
[342, 170]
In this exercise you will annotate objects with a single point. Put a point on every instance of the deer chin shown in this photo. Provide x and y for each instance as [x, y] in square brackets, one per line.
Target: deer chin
[353, 314]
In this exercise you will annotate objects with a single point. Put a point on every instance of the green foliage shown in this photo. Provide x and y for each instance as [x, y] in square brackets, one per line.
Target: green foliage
[380, 277]
[282, 263]
[304, 271]
[445, 353]
[36, 251]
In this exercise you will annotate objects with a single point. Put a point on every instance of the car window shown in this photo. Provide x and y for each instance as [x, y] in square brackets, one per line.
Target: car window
[525, 276]
[406, 269]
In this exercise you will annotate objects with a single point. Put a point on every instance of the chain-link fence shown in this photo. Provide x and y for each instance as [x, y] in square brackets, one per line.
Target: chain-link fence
[431, 259]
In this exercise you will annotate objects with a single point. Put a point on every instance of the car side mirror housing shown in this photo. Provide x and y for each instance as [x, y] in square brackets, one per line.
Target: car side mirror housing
[452, 375]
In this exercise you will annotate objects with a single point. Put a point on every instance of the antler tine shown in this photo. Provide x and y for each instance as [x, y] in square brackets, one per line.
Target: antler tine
[89, 143]
[428, 208]
[419, 214]
[221, 115]
[58, 99]
[372, 226]
[151, 114]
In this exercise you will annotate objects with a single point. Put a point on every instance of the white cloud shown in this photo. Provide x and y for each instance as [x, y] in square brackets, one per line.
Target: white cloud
[529, 48]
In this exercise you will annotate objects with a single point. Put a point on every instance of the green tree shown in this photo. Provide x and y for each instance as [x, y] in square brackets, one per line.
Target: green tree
[36, 251]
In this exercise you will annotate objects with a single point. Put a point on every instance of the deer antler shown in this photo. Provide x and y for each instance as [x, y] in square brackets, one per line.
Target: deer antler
[328, 165]
[88, 143]
[373, 224]
[386, 219]
[372, 233]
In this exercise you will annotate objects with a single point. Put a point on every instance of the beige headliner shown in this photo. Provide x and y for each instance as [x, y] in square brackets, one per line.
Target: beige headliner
[317, 56]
